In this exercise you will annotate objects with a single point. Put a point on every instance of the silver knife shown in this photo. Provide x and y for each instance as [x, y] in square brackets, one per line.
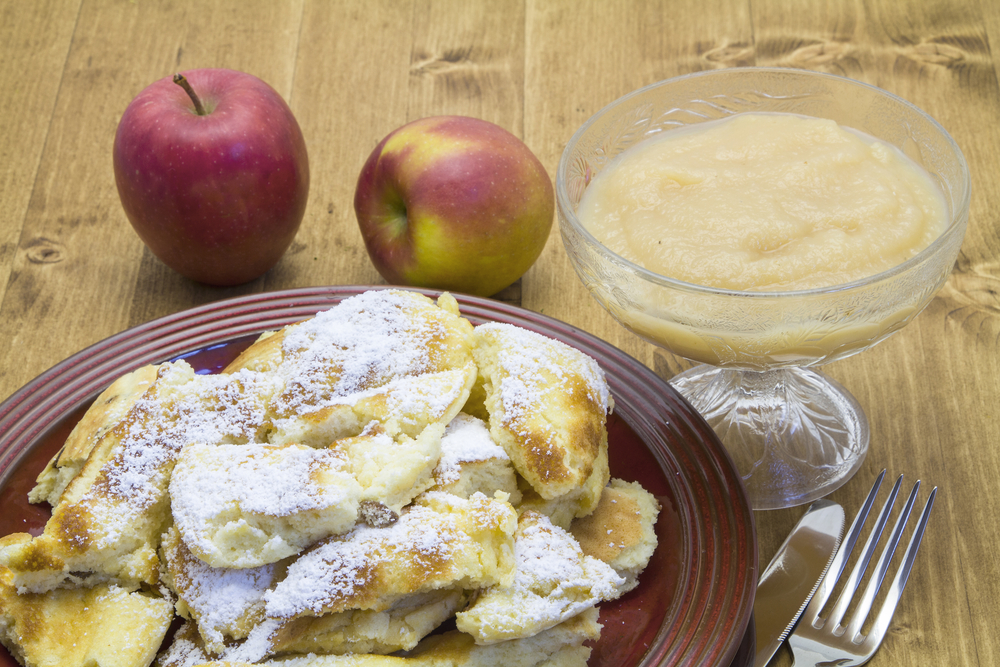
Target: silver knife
[792, 576]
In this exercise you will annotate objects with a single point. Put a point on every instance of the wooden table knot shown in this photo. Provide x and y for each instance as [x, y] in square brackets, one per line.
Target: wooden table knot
[936, 53]
[443, 63]
[44, 251]
[730, 55]
[819, 54]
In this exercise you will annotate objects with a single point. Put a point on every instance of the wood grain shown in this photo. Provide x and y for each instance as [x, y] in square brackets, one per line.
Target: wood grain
[34, 56]
[72, 272]
[351, 89]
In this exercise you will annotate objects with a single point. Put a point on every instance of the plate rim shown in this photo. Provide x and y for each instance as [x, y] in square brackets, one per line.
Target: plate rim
[27, 413]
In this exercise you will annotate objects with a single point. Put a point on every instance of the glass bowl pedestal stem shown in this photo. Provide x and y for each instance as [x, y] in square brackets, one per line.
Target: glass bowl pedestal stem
[794, 434]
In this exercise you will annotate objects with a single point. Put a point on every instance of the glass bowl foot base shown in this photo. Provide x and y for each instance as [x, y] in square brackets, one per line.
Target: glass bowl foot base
[794, 434]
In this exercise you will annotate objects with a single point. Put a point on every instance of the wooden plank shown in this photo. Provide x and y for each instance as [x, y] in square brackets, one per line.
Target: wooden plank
[74, 204]
[468, 59]
[35, 39]
[351, 89]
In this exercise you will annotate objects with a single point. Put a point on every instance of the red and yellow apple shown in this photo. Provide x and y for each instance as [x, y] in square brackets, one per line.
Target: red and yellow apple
[213, 174]
[453, 203]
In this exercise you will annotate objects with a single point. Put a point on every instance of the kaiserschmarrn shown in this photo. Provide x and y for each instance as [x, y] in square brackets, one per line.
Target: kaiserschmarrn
[381, 484]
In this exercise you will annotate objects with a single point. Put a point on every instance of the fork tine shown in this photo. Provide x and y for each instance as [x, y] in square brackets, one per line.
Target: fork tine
[882, 620]
[851, 586]
[818, 641]
[836, 569]
[865, 604]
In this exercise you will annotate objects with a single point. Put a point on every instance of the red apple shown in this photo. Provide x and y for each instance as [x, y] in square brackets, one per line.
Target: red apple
[455, 203]
[217, 193]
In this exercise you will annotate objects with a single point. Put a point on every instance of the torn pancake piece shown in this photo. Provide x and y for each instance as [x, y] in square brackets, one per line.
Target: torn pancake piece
[621, 531]
[371, 353]
[262, 356]
[559, 646]
[397, 628]
[81, 627]
[471, 462]
[548, 405]
[580, 502]
[186, 649]
[409, 404]
[391, 472]
[553, 581]
[107, 410]
[108, 522]
[244, 506]
[440, 542]
[223, 603]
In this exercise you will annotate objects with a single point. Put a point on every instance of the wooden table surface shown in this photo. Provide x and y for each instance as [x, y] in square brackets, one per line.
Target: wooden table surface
[72, 271]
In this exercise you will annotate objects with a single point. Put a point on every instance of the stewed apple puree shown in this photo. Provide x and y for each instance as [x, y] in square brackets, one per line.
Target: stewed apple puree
[764, 202]
[760, 202]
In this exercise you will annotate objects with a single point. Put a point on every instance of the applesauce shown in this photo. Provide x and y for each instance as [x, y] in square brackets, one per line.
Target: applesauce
[764, 202]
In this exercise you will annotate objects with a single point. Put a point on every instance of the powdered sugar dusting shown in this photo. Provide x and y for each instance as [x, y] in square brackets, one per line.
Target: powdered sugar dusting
[183, 650]
[261, 479]
[363, 342]
[487, 513]
[428, 396]
[466, 440]
[278, 499]
[531, 362]
[258, 644]
[181, 408]
[219, 597]
[553, 581]
[548, 558]
[338, 574]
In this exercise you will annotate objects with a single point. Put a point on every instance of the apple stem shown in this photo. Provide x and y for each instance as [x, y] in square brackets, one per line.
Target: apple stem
[181, 81]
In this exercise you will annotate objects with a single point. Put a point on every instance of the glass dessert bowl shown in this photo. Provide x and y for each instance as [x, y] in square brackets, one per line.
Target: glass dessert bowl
[794, 434]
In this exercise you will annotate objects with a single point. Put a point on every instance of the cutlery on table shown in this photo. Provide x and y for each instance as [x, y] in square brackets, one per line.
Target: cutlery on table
[824, 639]
[793, 575]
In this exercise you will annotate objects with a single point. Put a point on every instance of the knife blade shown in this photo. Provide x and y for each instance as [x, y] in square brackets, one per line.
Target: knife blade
[793, 575]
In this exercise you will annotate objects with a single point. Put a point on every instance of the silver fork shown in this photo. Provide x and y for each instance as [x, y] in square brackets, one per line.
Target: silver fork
[825, 640]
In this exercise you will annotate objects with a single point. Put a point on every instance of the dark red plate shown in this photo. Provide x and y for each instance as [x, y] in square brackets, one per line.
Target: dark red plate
[695, 600]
